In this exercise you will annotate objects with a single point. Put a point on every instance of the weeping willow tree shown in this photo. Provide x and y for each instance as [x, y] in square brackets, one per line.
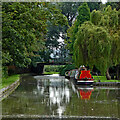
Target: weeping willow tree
[115, 52]
[110, 20]
[95, 17]
[97, 42]
[92, 46]
[107, 18]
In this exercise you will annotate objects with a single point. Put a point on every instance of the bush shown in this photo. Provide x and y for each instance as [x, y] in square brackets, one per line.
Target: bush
[67, 68]
[53, 68]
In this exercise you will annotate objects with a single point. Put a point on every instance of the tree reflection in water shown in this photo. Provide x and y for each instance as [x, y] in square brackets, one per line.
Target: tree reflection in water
[57, 96]
[57, 90]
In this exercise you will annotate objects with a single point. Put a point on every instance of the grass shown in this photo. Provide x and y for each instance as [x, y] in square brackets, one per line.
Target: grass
[9, 80]
[50, 73]
[103, 79]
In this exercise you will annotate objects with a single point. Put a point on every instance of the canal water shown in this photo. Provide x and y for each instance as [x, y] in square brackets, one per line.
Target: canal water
[54, 97]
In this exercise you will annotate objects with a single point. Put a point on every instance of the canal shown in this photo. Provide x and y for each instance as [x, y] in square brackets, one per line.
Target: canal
[51, 97]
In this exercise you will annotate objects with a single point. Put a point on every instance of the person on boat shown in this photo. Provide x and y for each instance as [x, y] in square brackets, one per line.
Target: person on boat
[81, 68]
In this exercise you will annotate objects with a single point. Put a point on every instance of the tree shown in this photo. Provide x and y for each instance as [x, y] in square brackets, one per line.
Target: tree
[24, 29]
[92, 46]
[52, 36]
[115, 5]
[69, 9]
[83, 15]
[94, 6]
[95, 17]
[54, 32]
[109, 19]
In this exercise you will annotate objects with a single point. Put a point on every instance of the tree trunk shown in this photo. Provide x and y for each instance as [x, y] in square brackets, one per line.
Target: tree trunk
[118, 72]
[108, 75]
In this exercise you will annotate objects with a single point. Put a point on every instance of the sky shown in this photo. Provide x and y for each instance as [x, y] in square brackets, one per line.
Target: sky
[103, 1]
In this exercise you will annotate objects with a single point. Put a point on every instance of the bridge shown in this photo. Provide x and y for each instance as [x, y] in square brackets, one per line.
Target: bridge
[40, 66]
[38, 69]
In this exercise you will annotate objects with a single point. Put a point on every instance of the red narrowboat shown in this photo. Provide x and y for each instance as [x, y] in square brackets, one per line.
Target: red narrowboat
[84, 78]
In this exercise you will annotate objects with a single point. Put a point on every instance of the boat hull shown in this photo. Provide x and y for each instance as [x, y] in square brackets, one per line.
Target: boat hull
[82, 82]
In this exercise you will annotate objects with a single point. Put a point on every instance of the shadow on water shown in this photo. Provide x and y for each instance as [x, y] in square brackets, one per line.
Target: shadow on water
[54, 97]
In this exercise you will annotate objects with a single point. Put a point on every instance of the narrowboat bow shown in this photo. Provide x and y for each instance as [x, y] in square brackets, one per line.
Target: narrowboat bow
[84, 78]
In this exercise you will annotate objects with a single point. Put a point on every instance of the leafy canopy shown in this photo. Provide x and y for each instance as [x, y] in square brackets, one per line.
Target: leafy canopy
[83, 15]
[92, 46]
[24, 29]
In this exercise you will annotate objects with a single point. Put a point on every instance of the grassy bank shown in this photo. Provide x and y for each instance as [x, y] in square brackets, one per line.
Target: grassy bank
[50, 73]
[9, 80]
[103, 79]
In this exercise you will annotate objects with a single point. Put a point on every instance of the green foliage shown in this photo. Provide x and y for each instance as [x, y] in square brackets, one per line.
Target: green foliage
[4, 71]
[119, 17]
[113, 16]
[102, 79]
[83, 15]
[53, 68]
[67, 68]
[106, 18]
[94, 5]
[109, 20]
[50, 73]
[52, 43]
[9, 80]
[56, 25]
[113, 5]
[24, 29]
[95, 17]
[115, 51]
[92, 46]
[97, 42]
[69, 9]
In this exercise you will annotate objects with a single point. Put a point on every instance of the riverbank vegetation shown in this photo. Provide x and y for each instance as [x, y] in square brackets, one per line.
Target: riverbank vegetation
[66, 68]
[6, 81]
[53, 69]
[102, 79]
[94, 38]
[25, 28]
[32, 33]
[50, 73]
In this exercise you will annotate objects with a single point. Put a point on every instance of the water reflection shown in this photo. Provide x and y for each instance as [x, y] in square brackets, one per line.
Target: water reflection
[59, 93]
[56, 96]
[85, 92]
